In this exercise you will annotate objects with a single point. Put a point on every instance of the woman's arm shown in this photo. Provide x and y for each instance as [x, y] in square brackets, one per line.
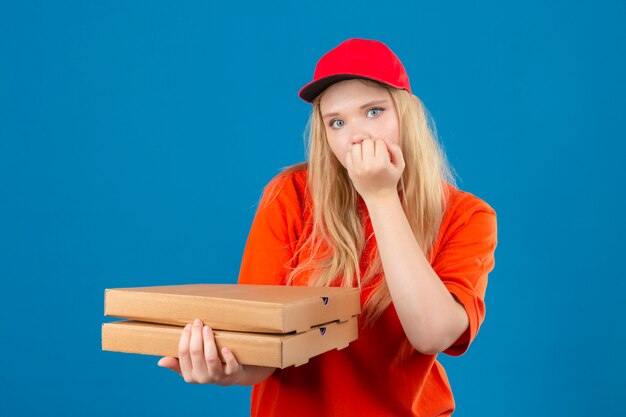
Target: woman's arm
[431, 318]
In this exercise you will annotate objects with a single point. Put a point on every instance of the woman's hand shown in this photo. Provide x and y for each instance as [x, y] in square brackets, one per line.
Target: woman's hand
[375, 167]
[199, 363]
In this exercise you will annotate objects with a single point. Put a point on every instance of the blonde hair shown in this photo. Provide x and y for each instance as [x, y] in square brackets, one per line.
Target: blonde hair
[337, 239]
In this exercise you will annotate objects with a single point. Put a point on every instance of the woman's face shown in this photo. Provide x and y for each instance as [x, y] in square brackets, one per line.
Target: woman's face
[353, 111]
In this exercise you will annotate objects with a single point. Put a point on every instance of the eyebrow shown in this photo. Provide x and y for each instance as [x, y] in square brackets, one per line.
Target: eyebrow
[366, 105]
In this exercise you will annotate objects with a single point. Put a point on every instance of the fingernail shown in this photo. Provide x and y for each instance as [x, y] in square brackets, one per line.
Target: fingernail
[197, 322]
[206, 329]
[188, 326]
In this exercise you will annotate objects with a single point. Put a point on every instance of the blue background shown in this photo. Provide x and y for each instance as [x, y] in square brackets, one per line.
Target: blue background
[136, 138]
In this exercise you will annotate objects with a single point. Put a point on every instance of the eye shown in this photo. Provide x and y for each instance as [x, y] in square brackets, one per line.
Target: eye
[373, 112]
[336, 123]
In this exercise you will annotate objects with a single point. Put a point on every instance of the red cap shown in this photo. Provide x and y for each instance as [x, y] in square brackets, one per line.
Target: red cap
[356, 58]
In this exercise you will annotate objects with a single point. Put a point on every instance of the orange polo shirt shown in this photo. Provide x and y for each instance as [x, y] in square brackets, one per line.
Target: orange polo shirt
[379, 374]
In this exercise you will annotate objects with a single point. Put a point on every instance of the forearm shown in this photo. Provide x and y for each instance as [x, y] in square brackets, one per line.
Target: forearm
[431, 318]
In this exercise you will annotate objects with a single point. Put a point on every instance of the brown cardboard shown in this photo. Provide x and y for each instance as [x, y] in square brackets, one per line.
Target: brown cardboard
[279, 351]
[249, 308]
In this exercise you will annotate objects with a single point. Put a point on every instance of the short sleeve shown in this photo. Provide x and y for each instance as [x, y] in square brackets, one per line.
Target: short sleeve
[463, 263]
[273, 235]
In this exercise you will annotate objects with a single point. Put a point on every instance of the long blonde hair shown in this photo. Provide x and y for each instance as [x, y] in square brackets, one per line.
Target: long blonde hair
[337, 239]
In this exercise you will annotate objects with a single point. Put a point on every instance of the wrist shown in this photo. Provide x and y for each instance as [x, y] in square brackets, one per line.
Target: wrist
[251, 374]
[382, 199]
[242, 377]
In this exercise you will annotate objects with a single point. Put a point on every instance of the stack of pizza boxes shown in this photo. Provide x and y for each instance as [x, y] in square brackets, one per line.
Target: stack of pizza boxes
[266, 325]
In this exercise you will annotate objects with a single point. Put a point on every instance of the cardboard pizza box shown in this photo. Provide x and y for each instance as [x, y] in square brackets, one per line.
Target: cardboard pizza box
[273, 350]
[248, 308]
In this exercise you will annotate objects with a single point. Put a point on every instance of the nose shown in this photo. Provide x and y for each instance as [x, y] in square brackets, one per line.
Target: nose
[358, 135]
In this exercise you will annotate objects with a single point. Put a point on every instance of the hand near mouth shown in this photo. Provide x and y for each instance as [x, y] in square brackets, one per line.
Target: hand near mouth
[375, 167]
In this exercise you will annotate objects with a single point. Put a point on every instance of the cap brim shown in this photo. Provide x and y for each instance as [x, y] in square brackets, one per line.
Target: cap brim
[315, 88]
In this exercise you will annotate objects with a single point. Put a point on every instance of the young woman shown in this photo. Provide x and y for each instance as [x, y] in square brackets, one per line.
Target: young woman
[375, 207]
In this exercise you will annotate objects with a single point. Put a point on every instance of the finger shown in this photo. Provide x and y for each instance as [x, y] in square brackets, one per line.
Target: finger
[381, 151]
[368, 149]
[196, 349]
[183, 353]
[232, 366]
[357, 158]
[170, 363]
[395, 151]
[213, 362]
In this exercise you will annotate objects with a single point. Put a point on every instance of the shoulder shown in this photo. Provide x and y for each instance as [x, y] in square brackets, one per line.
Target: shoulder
[465, 211]
[287, 188]
[462, 203]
